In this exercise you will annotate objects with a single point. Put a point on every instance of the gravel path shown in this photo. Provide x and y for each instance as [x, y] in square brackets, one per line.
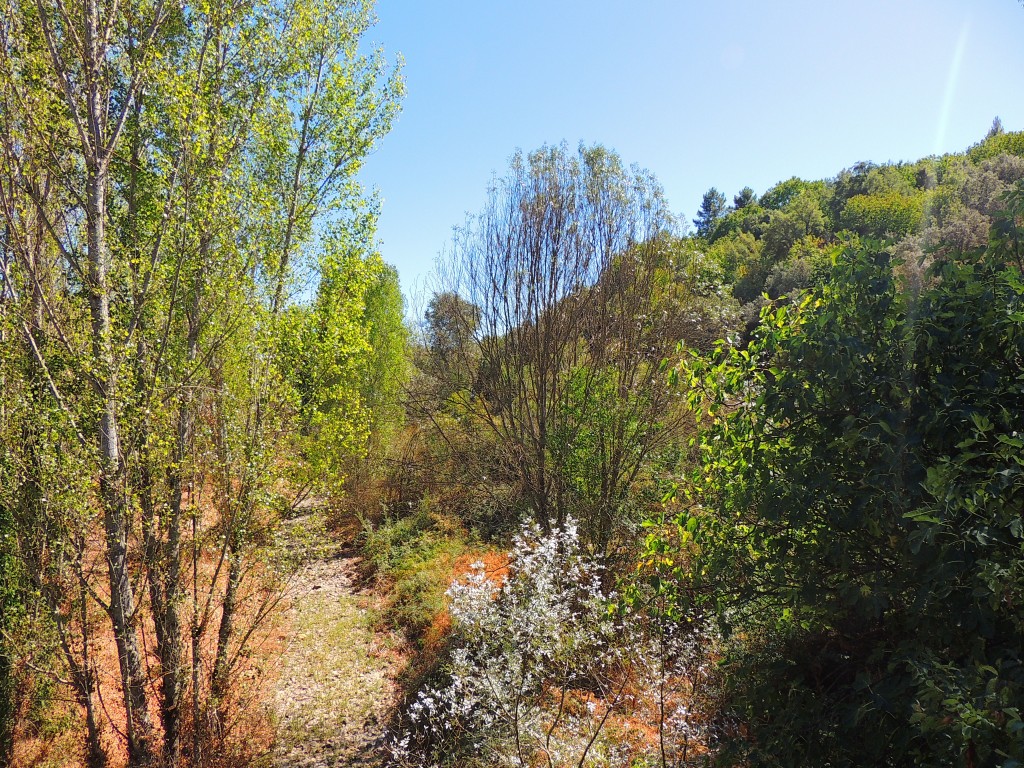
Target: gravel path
[335, 686]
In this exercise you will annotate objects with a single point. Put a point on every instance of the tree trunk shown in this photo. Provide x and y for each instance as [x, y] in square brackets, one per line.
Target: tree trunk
[139, 729]
[96, 757]
[219, 686]
[172, 651]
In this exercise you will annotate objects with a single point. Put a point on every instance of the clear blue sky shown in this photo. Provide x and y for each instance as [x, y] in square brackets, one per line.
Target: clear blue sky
[703, 94]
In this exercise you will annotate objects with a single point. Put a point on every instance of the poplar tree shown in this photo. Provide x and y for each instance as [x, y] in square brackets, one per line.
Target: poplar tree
[164, 172]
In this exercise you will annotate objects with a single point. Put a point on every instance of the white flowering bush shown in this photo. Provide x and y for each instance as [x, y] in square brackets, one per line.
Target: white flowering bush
[679, 677]
[535, 657]
[546, 670]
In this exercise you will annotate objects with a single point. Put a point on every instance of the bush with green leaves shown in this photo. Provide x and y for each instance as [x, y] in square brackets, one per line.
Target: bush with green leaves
[857, 519]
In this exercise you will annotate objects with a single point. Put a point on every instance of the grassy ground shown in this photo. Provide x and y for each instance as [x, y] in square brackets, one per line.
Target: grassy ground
[335, 688]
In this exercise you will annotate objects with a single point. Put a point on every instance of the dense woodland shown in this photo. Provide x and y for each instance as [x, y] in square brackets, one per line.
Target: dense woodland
[632, 492]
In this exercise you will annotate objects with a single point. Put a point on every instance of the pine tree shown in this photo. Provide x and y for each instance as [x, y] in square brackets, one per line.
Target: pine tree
[711, 209]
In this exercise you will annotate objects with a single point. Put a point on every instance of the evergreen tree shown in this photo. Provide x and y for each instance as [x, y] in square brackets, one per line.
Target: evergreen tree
[996, 129]
[712, 207]
[745, 197]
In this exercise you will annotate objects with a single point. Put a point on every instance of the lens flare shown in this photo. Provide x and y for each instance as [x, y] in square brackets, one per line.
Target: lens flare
[951, 82]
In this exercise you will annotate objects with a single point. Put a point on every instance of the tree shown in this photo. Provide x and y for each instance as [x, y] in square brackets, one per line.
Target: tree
[387, 367]
[163, 171]
[344, 355]
[889, 215]
[996, 129]
[739, 256]
[779, 196]
[451, 325]
[552, 302]
[751, 219]
[712, 207]
[97, 90]
[745, 197]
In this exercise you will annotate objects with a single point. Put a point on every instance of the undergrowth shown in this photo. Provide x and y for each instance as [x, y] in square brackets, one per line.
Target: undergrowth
[417, 557]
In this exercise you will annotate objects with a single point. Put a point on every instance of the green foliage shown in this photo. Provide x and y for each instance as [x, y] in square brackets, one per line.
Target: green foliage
[745, 197]
[387, 365]
[997, 144]
[451, 353]
[739, 257]
[783, 193]
[808, 264]
[596, 431]
[932, 207]
[344, 356]
[750, 218]
[751, 242]
[150, 259]
[887, 215]
[856, 522]
[801, 217]
[712, 207]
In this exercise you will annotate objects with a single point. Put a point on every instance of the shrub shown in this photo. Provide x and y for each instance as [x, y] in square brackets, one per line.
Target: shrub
[857, 521]
[546, 669]
[544, 633]
[416, 556]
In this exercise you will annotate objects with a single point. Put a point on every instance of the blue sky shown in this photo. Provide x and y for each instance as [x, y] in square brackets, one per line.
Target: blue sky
[701, 93]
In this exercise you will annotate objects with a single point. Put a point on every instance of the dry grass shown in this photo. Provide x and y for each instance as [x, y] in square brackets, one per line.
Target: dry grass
[335, 690]
[55, 736]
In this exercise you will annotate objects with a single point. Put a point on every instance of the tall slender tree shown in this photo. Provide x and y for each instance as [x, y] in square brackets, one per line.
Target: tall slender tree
[164, 171]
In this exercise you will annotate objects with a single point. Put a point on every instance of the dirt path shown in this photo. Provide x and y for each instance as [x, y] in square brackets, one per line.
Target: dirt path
[335, 688]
